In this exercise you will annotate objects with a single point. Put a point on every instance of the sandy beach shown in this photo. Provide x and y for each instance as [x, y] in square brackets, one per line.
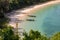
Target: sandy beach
[40, 6]
[31, 10]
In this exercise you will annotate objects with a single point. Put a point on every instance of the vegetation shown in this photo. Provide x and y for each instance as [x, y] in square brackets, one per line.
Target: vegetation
[35, 35]
[9, 5]
[7, 33]
[56, 36]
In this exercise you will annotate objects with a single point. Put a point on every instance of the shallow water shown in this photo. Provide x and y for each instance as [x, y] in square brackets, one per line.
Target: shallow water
[47, 20]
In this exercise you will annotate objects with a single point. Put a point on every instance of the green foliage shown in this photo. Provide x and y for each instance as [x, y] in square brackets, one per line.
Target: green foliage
[4, 7]
[56, 36]
[8, 5]
[34, 35]
[8, 34]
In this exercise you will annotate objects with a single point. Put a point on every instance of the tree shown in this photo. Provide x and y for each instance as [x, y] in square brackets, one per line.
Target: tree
[55, 36]
[4, 5]
[26, 36]
[34, 35]
[3, 8]
[8, 34]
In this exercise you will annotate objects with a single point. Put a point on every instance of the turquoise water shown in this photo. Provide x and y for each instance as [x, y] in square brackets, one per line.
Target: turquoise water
[47, 20]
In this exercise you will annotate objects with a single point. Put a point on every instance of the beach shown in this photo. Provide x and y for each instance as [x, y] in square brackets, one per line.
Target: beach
[30, 10]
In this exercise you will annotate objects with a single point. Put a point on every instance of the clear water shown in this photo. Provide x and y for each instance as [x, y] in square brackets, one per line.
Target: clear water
[47, 20]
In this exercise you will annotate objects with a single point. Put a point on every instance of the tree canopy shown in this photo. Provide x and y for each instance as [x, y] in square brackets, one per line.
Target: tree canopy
[56, 36]
[34, 35]
[8, 34]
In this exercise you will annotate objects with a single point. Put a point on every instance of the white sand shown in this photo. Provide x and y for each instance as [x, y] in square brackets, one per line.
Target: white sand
[32, 10]
[36, 7]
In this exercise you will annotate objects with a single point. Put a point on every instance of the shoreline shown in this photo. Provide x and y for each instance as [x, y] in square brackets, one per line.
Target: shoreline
[40, 6]
[31, 10]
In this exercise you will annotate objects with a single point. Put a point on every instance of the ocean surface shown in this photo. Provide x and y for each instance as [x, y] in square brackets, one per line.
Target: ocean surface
[47, 20]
